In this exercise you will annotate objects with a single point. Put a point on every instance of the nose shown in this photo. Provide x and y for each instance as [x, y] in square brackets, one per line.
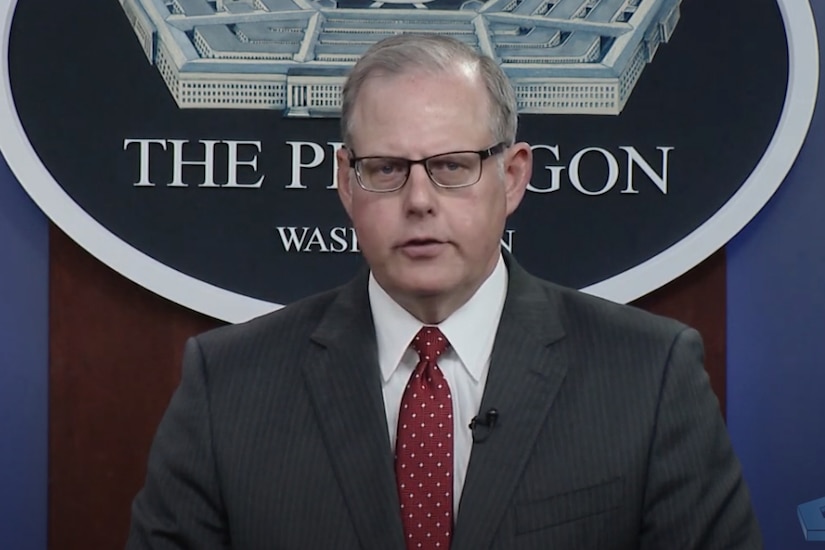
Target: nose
[419, 192]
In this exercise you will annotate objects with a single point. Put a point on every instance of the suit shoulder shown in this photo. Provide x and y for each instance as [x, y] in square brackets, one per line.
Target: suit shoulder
[594, 313]
[609, 337]
[292, 322]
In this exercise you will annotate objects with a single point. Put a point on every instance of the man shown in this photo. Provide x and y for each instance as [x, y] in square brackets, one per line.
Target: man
[447, 398]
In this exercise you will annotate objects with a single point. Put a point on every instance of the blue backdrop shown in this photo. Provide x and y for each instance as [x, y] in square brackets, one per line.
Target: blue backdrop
[23, 367]
[776, 379]
[776, 329]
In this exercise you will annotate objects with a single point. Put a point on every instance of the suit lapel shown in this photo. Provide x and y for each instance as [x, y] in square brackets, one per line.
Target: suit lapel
[344, 381]
[527, 368]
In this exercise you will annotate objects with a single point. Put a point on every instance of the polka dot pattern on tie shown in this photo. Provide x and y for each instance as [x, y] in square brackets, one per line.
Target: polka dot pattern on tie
[424, 448]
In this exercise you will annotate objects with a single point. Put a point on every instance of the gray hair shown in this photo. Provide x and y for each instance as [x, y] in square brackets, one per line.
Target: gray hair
[433, 53]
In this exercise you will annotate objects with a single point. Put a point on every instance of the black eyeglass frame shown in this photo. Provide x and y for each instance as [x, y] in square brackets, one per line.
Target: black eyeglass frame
[483, 154]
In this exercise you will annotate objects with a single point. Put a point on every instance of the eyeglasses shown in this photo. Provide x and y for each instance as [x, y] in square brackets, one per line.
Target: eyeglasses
[447, 170]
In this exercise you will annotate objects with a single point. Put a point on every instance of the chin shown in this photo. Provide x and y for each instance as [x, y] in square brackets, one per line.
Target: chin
[421, 287]
[424, 289]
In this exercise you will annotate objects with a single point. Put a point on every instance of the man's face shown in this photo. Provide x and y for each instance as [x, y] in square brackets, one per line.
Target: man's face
[430, 248]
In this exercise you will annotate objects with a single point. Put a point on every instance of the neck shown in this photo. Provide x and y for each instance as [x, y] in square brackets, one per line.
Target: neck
[432, 310]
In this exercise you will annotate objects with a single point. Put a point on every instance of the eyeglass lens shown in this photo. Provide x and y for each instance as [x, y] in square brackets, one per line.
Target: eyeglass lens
[447, 170]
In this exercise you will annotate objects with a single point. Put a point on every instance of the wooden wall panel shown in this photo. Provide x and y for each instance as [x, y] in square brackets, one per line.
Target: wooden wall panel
[115, 354]
[699, 299]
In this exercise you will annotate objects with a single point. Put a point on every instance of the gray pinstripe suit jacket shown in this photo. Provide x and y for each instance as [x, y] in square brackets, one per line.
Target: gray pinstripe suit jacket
[609, 436]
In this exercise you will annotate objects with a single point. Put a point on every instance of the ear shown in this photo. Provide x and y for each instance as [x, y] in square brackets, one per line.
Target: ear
[518, 167]
[344, 180]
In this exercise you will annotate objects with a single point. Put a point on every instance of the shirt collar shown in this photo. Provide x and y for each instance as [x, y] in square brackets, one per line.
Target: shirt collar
[470, 329]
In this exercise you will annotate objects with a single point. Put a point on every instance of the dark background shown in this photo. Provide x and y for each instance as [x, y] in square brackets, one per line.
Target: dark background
[82, 85]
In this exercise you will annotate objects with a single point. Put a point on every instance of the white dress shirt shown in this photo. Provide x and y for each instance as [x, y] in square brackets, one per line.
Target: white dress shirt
[470, 330]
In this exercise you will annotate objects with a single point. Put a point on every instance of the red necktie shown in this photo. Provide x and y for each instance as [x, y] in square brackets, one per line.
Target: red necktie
[424, 448]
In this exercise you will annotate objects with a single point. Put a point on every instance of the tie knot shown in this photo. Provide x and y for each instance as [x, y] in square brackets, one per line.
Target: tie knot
[430, 343]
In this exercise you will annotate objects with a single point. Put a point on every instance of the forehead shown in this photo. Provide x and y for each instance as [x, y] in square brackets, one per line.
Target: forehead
[421, 111]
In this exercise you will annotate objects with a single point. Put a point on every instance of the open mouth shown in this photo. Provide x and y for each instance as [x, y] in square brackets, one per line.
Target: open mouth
[422, 247]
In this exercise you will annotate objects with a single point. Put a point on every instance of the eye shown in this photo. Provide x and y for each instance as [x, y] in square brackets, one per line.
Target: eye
[383, 167]
[451, 163]
[388, 168]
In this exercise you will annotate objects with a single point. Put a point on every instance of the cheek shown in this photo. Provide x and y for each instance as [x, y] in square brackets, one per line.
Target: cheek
[372, 223]
[483, 214]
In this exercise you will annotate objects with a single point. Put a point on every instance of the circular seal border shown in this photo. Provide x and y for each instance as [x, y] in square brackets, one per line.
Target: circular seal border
[758, 188]
[637, 281]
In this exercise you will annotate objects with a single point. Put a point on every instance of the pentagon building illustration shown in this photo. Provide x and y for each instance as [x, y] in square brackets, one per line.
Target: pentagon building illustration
[812, 518]
[562, 56]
